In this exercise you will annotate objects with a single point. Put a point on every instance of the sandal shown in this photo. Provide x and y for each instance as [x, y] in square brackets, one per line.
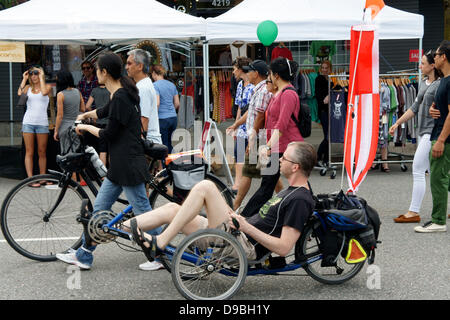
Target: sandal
[152, 251]
[383, 169]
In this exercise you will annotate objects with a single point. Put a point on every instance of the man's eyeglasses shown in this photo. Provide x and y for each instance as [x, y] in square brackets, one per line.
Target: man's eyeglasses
[86, 68]
[284, 159]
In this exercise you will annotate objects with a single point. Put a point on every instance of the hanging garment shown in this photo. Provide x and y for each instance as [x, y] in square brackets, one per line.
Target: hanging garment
[338, 114]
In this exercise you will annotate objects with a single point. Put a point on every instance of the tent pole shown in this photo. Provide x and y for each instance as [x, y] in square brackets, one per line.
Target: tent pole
[420, 58]
[11, 117]
[206, 95]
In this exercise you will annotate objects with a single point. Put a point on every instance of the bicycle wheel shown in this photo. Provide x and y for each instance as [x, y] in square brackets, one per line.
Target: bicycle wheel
[308, 247]
[25, 225]
[158, 200]
[209, 264]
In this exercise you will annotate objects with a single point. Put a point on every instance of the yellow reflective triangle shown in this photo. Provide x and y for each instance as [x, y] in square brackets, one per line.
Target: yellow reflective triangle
[355, 253]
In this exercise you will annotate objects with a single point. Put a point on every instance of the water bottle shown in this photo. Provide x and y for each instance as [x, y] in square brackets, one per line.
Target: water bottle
[98, 164]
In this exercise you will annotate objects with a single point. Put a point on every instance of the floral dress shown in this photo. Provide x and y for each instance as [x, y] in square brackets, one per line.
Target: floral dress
[243, 95]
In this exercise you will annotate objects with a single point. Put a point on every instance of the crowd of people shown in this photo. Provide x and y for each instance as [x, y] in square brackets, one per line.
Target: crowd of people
[126, 108]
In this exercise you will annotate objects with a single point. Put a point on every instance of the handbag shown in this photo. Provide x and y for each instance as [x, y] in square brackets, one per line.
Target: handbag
[22, 103]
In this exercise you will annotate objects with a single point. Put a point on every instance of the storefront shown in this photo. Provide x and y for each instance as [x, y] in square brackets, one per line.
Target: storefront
[176, 56]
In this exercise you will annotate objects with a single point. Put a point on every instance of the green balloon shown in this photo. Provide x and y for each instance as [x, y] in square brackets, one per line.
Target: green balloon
[267, 32]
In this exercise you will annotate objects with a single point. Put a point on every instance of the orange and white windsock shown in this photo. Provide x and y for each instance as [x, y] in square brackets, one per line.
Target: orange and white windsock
[361, 136]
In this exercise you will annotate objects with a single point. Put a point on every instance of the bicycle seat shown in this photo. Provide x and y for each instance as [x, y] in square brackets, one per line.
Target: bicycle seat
[157, 151]
[73, 161]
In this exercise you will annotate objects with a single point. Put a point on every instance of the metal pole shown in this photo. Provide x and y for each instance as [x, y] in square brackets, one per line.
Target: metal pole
[11, 118]
[420, 58]
[206, 95]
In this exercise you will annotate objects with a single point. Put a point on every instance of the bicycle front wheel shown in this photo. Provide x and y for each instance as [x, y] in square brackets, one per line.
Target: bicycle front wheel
[157, 200]
[29, 229]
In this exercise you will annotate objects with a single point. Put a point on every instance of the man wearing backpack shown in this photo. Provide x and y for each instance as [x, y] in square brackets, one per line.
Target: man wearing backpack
[281, 130]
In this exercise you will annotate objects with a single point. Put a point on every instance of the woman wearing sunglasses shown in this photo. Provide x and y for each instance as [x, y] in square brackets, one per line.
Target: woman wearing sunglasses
[35, 120]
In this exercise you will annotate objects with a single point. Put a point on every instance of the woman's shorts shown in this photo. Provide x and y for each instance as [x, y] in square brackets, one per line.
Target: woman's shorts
[250, 170]
[32, 128]
[240, 144]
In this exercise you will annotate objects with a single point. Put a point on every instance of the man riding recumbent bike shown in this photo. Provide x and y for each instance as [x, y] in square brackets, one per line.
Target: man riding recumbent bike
[330, 236]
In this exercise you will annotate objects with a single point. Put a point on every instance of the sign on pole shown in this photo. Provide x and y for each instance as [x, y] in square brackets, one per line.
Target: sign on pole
[12, 51]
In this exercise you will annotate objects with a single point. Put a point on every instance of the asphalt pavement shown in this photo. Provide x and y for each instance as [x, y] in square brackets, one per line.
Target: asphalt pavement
[407, 265]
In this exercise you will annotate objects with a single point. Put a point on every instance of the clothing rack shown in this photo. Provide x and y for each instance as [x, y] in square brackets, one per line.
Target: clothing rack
[331, 166]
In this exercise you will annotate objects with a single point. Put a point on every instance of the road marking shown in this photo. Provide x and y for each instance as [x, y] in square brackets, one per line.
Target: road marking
[43, 239]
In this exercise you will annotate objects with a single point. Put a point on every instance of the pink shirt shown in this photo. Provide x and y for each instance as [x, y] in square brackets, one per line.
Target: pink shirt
[278, 116]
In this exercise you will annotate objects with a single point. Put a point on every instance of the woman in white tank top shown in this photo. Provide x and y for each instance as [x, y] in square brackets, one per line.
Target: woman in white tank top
[35, 120]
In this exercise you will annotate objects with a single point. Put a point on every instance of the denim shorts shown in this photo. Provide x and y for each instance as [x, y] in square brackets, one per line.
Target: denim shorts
[32, 128]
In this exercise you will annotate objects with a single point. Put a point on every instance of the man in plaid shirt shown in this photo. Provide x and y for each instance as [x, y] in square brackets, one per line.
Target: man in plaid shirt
[254, 119]
[88, 81]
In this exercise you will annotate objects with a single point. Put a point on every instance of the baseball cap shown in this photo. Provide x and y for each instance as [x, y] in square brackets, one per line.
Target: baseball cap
[258, 65]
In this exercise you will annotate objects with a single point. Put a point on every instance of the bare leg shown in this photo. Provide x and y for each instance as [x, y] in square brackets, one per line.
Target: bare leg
[42, 140]
[28, 139]
[244, 186]
[237, 181]
[205, 194]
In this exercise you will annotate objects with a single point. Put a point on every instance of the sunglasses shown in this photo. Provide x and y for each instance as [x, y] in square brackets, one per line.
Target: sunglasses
[86, 68]
[283, 158]
[35, 72]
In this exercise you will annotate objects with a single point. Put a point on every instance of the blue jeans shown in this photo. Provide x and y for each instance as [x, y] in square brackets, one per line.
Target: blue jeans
[166, 128]
[108, 194]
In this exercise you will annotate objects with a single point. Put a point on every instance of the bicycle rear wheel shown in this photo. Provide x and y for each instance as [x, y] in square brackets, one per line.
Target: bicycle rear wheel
[25, 225]
[308, 249]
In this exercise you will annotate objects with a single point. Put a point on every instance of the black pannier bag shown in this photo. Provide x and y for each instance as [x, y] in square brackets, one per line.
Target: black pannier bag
[347, 217]
[186, 169]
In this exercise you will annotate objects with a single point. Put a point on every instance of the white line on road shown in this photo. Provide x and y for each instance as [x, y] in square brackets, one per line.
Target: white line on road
[43, 239]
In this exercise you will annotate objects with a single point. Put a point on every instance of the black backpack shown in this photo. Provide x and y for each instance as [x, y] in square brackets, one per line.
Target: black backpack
[304, 117]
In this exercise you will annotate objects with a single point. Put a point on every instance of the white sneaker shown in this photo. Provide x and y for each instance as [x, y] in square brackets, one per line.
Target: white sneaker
[71, 258]
[431, 227]
[151, 266]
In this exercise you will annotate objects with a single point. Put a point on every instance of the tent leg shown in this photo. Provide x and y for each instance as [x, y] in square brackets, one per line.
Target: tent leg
[11, 116]
[206, 94]
[420, 57]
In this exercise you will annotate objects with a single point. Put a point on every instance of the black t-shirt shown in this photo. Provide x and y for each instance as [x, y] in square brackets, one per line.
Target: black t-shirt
[442, 100]
[128, 166]
[290, 207]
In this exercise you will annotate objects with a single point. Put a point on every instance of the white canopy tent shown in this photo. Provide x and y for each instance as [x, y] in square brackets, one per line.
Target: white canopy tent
[299, 20]
[91, 21]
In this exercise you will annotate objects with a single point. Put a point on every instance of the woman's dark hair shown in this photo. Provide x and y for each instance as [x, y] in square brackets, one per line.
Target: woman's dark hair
[285, 68]
[64, 80]
[113, 65]
[241, 62]
[430, 59]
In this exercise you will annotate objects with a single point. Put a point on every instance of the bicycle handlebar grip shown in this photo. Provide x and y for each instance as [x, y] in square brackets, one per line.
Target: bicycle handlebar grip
[236, 223]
